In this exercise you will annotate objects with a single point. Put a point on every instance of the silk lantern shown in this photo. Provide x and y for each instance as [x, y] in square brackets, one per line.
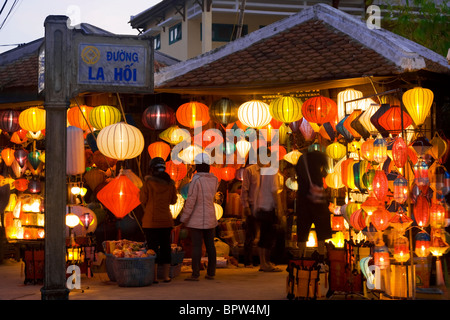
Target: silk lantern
[243, 147]
[174, 135]
[9, 120]
[348, 123]
[307, 130]
[176, 208]
[380, 218]
[376, 117]
[21, 184]
[120, 141]
[94, 177]
[336, 150]
[439, 147]
[176, 171]
[422, 211]
[159, 149]
[380, 185]
[399, 152]
[188, 154]
[227, 173]
[32, 119]
[190, 113]
[337, 223]
[418, 103]
[365, 117]
[400, 221]
[422, 244]
[21, 156]
[120, 196]
[381, 256]
[75, 163]
[367, 149]
[370, 204]
[8, 156]
[358, 219]
[223, 111]
[400, 189]
[319, 110]
[395, 120]
[79, 117]
[334, 180]
[421, 173]
[343, 108]
[286, 109]
[103, 116]
[401, 249]
[379, 149]
[158, 117]
[437, 215]
[254, 114]
[292, 157]
[340, 128]
[218, 210]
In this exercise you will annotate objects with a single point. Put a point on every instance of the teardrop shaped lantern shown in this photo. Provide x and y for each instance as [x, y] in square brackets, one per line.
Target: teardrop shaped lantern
[176, 171]
[103, 116]
[9, 120]
[223, 111]
[422, 211]
[286, 109]
[254, 114]
[158, 117]
[243, 148]
[319, 110]
[344, 108]
[21, 156]
[399, 152]
[8, 156]
[159, 149]
[120, 141]
[34, 159]
[193, 113]
[79, 117]
[32, 119]
[336, 150]
[120, 196]
[418, 103]
[395, 120]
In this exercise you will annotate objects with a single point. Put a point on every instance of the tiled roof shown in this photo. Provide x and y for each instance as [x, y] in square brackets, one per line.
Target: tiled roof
[318, 44]
[20, 73]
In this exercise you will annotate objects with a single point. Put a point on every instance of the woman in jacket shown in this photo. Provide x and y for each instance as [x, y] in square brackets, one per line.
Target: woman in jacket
[156, 194]
[200, 217]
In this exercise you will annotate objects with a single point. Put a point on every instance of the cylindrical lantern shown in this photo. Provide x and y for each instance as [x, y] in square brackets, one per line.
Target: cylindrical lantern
[176, 171]
[381, 256]
[9, 120]
[400, 189]
[437, 215]
[223, 111]
[79, 117]
[189, 114]
[399, 152]
[158, 117]
[423, 242]
[120, 141]
[344, 108]
[75, 163]
[254, 114]
[319, 110]
[380, 184]
[336, 150]
[418, 103]
[286, 109]
[401, 249]
[103, 116]
[159, 149]
[32, 119]
[422, 211]
[421, 173]
[379, 149]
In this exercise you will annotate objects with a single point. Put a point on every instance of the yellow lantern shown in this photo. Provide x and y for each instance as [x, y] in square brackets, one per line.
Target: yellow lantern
[174, 135]
[336, 150]
[254, 114]
[103, 116]
[286, 109]
[175, 209]
[32, 119]
[334, 180]
[292, 157]
[418, 103]
[312, 238]
[219, 210]
[120, 141]
[292, 184]
[439, 147]
[347, 95]
[338, 239]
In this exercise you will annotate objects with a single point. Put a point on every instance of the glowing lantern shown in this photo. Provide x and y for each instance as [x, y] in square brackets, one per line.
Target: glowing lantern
[336, 150]
[380, 184]
[337, 223]
[400, 189]
[334, 180]
[379, 149]
[120, 141]
[176, 208]
[358, 219]
[381, 256]
[348, 123]
[120, 196]
[422, 211]
[34, 159]
[439, 147]
[158, 117]
[102, 116]
[367, 149]
[21, 184]
[381, 218]
[347, 173]
[421, 173]
[189, 114]
[243, 147]
[418, 103]
[218, 210]
[286, 109]
[370, 204]
[344, 108]
[292, 157]
[364, 119]
[21, 156]
[254, 114]
[159, 149]
[86, 219]
[79, 117]
[32, 119]
[174, 135]
[188, 154]
[392, 120]
[319, 110]
[401, 249]
[76, 160]
[176, 171]
[223, 111]
[9, 120]
[423, 241]
[399, 152]
[72, 220]
[227, 173]
[437, 215]
[400, 221]
[438, 246]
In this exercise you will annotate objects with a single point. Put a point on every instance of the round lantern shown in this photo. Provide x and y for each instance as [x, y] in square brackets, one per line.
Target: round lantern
[392, 120]
[418, 103]
[400, 189]
[286, 109]
[399, 152]
[79, 117]
[334, 180]
[94, 177]
[75, 163]
[158, 117]
[254, 114]
[21, 184]
[319, 110]
[120, 196]
[336, 150]
[21, 156]
[72, 220]
[343, 108]
[381, 256]
[380, 218]
[103, 116]
[227, 173]
[8, 156]
[189, 113]
[379, 149]
[439, 147]
[223, 111]
[380, 185]
[159, 149]
[437, 215]
[423, 242]
[32, 119]
[120, 141]
[9, 120]
[401, 249]
[422, 211]
[176, 171]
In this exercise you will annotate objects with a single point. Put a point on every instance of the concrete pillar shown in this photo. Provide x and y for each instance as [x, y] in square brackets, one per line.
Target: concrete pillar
[57, 93]
[206, 27]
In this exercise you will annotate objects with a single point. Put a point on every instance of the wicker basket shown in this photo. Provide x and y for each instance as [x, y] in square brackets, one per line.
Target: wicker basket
[110, 267]
[134, 272]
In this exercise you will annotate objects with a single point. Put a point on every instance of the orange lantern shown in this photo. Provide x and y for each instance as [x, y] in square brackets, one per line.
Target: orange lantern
[216, 172]
[8, 156]
[370, 205]
[319, 110]
[348, 123]
[392, 120]
[79, 117]
[189, 113]
[367, 149]
[159, 149]
[176, 171]
[358, 219]
[21, 184]
[227, 173]
[437, 215]
[380, 184]
[423, 243]
[120, 196]
[381, 218]
[400, 221]
[422, 211]
[399, 152]
[401, 249]
[337, 223]
[381, 256]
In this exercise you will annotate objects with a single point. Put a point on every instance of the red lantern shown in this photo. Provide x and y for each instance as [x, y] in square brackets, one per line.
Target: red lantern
[370, 205]
[319, 110]
[399, 152]
[391, 120]
[189, 113]
[158, 117]
[227, 173]
[176, 171]
[21, 184]
[120, 196]
[9, 120]
[381, 256]
[337, 223]
[381, 218]
[358, 219]
[159, 149]
[216, 172]
[380, 184]
[422, 211]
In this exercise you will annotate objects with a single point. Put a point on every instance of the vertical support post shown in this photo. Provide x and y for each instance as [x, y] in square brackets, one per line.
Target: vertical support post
[57, 95]
[206, 26]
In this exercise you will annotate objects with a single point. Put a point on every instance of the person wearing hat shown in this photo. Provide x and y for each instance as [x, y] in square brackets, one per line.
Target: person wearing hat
[199, 216]
[156, 195]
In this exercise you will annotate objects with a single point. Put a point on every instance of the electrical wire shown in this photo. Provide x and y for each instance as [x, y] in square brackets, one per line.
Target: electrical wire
[9, 12]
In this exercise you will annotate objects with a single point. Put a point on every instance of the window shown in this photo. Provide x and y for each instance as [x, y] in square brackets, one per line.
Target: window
[175, 33]
[157, 42]
[226, 32]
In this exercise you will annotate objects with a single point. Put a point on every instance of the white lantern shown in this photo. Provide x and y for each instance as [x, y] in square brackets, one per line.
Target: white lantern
[254, 114]
[243, 147]
[120, 141]
[175, 209]
[347, 95]
[219, 210]
[75, 151]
